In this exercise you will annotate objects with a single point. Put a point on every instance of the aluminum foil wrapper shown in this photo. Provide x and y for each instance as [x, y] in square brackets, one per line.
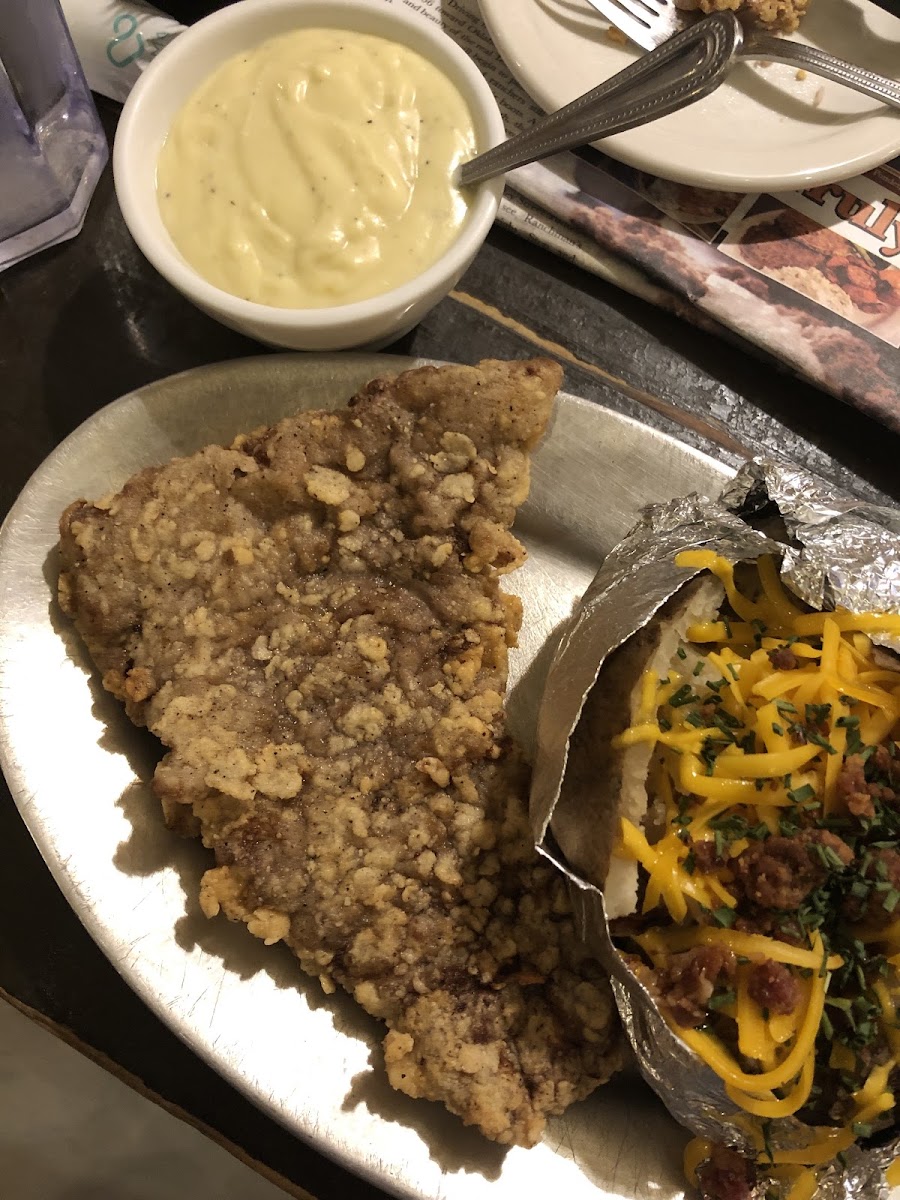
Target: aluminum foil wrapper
[839, 552]
[836, 551]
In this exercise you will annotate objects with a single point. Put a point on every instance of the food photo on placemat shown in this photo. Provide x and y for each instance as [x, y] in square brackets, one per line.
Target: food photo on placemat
[820, 333]
[821, 262]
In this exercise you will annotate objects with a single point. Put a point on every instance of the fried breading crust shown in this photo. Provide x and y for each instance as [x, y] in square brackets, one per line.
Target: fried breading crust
[311, 622]
[782, 16]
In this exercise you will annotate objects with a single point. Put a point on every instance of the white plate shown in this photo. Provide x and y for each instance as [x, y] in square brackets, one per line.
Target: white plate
[79, 772]
[763, 130]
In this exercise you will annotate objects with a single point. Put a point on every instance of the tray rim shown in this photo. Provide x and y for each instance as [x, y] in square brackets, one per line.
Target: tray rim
[18, 515]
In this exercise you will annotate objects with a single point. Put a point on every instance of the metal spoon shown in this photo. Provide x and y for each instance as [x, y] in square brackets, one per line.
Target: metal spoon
[686, 68]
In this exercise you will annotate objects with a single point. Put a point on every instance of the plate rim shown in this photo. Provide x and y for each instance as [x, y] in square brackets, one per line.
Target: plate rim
[24, 799]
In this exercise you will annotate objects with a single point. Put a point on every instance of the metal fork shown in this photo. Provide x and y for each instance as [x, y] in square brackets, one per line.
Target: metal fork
[650, 23]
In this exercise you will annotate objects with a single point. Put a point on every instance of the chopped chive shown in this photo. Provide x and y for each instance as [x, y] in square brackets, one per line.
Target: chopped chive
[767, 1140]
[828, 857]
[726, 722]
[803, 793]
[816, 738]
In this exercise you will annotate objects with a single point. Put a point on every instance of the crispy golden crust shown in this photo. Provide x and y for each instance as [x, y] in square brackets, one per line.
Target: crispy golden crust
[780, 16]
[311, 623]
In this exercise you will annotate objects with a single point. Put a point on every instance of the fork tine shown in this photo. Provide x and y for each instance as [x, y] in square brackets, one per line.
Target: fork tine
[636, 29]
[640, 10]
[648, 23]
[653, 8]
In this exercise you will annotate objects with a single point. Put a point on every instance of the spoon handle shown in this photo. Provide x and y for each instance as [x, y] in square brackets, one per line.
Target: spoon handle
[681, 71]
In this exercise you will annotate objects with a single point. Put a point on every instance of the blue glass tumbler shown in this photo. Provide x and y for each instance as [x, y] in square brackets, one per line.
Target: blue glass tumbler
[52, 145]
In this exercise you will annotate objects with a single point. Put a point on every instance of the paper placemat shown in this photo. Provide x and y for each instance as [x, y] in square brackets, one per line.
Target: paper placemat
[812, 277]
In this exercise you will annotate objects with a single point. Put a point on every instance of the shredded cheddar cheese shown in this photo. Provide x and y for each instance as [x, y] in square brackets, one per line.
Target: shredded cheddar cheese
[723, 1063]
[695, 1152]
[762, 731]
[763, 766]
[803, 1186]
[747, 945]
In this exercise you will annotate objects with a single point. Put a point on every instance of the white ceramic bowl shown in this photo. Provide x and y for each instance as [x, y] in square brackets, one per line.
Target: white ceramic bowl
[175, 74]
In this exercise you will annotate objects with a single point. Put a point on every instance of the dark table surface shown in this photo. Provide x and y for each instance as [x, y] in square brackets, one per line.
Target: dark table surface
[88, 321]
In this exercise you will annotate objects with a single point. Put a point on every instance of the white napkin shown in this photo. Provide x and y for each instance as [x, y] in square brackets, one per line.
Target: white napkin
[116, 39]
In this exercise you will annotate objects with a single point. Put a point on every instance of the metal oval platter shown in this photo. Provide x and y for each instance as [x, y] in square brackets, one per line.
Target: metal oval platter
[80, 772]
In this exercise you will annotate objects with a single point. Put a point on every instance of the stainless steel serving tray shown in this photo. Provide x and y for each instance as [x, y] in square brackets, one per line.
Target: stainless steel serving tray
[79, 773]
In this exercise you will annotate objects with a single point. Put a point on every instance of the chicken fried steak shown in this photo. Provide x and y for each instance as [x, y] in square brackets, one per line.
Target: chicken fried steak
[311, 623]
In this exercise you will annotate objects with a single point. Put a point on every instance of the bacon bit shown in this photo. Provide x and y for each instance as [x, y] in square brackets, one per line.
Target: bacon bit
[726, 1175]
[774, 987]
[689, 979]
[783, 658]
